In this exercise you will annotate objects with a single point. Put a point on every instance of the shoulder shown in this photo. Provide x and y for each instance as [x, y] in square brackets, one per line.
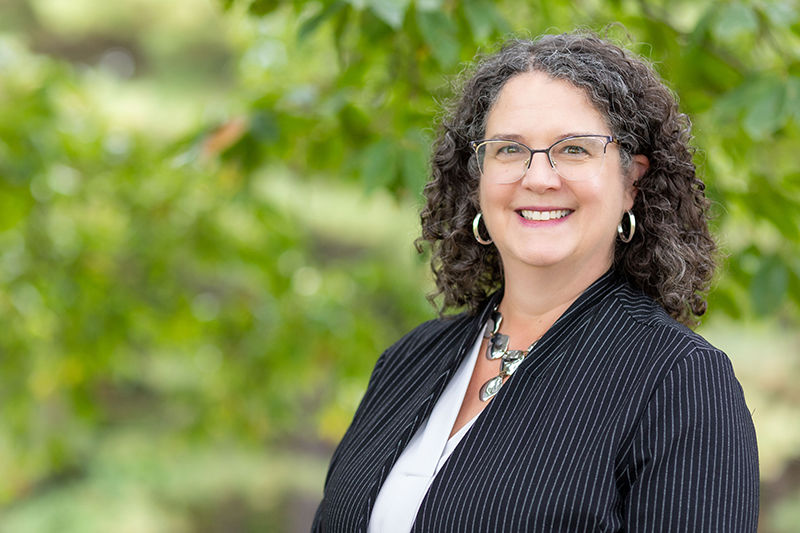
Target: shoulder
[648, 320]
[673, 372]
[657, 347]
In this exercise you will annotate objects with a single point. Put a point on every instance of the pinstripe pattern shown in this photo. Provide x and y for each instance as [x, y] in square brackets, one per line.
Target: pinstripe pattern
[620, 419]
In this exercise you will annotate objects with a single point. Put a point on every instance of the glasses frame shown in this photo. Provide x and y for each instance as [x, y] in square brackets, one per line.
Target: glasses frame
[475, 145]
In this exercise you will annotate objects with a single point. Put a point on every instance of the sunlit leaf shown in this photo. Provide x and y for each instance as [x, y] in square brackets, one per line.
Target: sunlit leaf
[733, 21]
[780, 12]
[428, 5]
[392, 12]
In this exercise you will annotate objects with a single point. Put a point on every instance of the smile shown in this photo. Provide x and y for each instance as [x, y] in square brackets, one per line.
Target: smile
[544, 215]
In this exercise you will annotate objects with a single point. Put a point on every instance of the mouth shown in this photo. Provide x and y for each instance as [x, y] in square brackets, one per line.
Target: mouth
[554, 214]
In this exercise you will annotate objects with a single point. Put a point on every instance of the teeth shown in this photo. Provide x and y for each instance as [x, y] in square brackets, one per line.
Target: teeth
[544, 215]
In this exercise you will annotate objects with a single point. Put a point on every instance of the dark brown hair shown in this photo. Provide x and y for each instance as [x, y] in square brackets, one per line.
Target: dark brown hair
[671, 256]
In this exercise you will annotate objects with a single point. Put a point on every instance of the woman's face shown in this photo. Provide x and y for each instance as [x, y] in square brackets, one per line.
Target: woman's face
[582, 216]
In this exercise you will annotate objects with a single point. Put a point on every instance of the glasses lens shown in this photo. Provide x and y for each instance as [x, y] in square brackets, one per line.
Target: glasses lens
[579, 158]
[503, 161]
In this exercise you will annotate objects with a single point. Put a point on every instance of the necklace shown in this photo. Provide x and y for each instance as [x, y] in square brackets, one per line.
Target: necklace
[497, 348]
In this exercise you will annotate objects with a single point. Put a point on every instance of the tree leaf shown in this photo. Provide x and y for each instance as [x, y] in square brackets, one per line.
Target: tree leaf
[313, 22]
[794, 279]
[428, 5]
[770, 203]
[378, 164]
[414, 162]
[793, 97]
[440, 34]
[480, 16]
[701, 28]
[733, 21]
[263, 7]
[340, 25]
[392, 12]
[780, 13]
[769, 285]
[767, 112]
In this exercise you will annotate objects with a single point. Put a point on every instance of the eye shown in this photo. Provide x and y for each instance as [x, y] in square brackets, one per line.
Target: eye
[573, 149]
[509, 149]
[577, 149]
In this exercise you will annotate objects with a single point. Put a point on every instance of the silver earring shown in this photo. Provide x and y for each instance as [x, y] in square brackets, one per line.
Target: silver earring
[475, 222]
[632, 223]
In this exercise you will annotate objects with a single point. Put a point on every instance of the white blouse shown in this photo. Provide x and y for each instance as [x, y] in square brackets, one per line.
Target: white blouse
[407, 483]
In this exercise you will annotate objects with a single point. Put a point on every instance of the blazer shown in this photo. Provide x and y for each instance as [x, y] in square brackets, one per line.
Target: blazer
[620, 419]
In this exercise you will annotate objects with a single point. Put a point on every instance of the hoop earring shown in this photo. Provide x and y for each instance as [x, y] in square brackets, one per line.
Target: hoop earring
[632, 223]
[475, 222]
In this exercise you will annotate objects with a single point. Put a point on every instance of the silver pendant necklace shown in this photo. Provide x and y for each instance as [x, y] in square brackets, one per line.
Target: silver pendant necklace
[497, 348]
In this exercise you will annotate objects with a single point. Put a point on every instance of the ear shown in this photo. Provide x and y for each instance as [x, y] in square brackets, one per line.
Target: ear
[639, 166]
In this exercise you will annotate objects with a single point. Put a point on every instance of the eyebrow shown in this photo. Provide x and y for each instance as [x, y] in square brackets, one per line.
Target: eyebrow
[520, 138]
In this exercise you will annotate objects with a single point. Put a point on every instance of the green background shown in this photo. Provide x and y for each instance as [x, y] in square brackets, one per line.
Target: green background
[207, 211]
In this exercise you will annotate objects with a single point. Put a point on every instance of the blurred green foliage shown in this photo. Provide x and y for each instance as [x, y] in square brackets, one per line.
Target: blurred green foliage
[206, 218]
[375, 72]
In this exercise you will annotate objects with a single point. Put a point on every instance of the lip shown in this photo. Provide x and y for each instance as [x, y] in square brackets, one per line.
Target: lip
[543, 209]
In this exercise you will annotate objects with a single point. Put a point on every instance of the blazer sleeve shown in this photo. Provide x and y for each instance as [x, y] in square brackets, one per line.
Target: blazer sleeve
[693, 463]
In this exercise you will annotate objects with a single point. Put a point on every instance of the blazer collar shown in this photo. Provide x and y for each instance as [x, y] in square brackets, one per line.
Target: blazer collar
[588, 299]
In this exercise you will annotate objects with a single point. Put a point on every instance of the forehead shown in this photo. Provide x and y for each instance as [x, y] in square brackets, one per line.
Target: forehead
[535, 105]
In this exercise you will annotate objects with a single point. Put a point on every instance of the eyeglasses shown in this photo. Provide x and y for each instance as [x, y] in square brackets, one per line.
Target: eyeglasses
[578, 158]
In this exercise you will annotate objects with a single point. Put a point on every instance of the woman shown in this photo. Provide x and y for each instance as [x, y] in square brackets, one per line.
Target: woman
[564, 213]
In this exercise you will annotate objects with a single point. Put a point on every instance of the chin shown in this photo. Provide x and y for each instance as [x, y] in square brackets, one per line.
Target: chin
[541, 259]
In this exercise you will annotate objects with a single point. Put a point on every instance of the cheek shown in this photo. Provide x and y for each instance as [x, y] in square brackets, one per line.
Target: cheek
[610, 195]
[592, 195]
[489, 196]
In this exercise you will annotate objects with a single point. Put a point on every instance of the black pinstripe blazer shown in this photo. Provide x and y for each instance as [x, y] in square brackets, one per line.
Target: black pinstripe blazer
[620, 419]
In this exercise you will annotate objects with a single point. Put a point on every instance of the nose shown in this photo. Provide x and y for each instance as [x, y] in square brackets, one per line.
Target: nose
[540, 174]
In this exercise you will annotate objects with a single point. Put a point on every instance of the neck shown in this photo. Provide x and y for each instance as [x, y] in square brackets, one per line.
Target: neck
[534, 298]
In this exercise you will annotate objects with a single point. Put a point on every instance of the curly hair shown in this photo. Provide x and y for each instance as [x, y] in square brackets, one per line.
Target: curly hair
[672, 255]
